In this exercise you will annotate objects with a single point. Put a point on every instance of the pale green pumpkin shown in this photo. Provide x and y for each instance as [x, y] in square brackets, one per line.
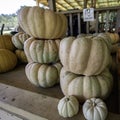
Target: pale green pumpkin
[68, 106]
[85, 87]
[44, 75]
[42, 51]
[18, 40]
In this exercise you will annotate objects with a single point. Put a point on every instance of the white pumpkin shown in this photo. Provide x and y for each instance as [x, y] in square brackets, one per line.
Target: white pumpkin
[95, 109]
[68, 106]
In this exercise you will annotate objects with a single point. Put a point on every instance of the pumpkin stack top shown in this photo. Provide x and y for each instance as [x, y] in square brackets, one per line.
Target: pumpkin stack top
[42, 23]
[85, 55]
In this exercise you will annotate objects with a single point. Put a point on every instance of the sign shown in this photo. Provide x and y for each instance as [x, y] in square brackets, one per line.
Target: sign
[88, 14]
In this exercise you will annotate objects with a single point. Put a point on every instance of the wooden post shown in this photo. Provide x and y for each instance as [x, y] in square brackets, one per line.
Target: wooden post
[85, 3]
[92, 3]
[52, 4]
[107, 20]
[117, 21]
[79, 23]
[70, 24]
[97, 22]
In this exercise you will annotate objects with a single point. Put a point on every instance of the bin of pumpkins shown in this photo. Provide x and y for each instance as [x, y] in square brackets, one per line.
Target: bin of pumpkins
[8, 59]
[86, 74]
[46, 29]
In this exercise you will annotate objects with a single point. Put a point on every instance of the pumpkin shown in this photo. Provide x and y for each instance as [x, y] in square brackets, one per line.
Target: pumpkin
[68, 106]
[95, 109]
[114, 37]
[21, 56]
[8, 60]
[85, 87]
[44, 75]
[84, 55]
[42, 51]
[18, 39]
[42, 23]
[6, 42]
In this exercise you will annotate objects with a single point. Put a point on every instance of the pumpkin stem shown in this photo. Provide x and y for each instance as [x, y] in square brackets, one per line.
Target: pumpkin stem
[2, 28]
[37, 2]
[94, 104]
[67, 99]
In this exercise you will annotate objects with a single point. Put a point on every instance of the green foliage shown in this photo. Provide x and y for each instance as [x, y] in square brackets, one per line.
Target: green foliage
[10, 21]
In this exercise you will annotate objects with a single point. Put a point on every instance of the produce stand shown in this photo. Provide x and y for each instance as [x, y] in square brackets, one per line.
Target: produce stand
[20, 97]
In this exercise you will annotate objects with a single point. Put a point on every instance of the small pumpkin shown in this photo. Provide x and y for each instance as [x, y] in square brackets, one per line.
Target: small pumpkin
[80, 55]
[18, 40]
[85, 87]
[21, 56]
[42, 51]
[114, 37]
[42, 23]
[6, 42]
[44, 75]
[8, 60]
[68, 106]
[95, 109]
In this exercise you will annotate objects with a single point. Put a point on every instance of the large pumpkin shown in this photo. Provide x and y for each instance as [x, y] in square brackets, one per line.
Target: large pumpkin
[19, 39]
[44, 75]
[6, 42]
[8, 60]
[84, 55]
[42, 23]
[84, 87]
[42, 51]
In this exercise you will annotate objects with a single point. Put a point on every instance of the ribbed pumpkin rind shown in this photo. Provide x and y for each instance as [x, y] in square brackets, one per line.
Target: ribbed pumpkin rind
[8, 60]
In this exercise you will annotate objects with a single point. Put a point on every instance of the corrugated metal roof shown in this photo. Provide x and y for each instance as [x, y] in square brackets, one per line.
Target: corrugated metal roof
[64, 5]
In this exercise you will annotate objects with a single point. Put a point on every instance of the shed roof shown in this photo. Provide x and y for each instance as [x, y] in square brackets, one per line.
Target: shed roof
[65, 5]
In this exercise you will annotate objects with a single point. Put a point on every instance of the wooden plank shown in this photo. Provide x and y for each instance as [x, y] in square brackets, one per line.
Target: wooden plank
[97, 9]
[5, 115]
[36, 106]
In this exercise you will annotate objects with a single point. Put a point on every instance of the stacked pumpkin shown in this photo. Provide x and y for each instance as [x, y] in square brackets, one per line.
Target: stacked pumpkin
[86, 61]
[46, 29]
[18, 40]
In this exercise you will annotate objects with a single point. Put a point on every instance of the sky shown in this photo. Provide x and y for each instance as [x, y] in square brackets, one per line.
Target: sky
[11, 6]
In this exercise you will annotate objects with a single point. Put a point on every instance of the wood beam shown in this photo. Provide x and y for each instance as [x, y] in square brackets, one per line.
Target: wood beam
[85, 3]
[52, 4]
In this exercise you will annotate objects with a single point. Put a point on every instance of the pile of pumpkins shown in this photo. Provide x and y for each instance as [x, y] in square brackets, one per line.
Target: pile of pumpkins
[11, 50]
[18, 40]
[45, 28]
[8, 59]
[81, 64]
